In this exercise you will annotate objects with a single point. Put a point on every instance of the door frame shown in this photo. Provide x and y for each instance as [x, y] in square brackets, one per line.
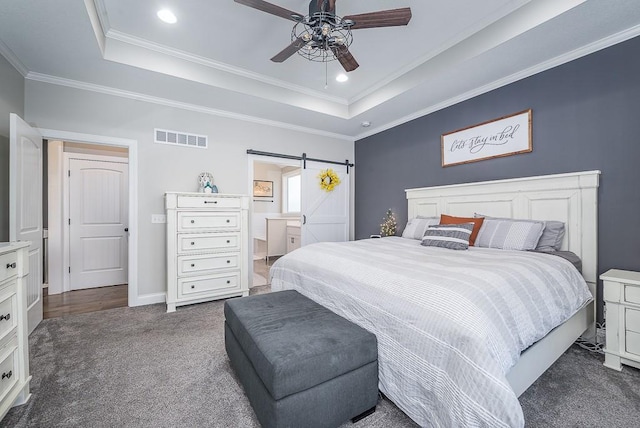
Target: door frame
[56, 219]
[66, 207]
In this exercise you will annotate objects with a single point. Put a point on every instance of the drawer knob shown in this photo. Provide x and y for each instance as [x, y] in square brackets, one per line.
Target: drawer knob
[228, 281]
[7, 375]
[193, 265]
[5, 317]
[228, 221]
[228, 241]
[228, 261]
[193, 221]
[13, 265]
[193, 243]
[210, 202]
[193, 286]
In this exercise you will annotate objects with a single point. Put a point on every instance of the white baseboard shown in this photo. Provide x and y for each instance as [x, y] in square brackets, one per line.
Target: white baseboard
[149, 299]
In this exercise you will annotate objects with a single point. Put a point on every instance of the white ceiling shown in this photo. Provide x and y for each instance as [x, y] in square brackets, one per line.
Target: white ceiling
[215, 59]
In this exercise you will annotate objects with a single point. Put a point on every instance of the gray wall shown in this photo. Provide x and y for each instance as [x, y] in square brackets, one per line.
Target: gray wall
[11, 101]
[585, 117]
[163, 167]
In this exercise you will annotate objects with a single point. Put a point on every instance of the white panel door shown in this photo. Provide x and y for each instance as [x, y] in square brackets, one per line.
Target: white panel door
[25, 206]
[98, 215]
[325, 215]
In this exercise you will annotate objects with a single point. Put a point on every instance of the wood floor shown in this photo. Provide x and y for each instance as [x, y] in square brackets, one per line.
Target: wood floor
[83, 301]
[99, 299]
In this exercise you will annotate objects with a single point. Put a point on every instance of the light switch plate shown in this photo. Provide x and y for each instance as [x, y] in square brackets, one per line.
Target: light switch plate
[158, 218]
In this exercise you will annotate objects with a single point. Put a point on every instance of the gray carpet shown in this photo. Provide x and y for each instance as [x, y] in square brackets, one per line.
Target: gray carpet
[141, 367]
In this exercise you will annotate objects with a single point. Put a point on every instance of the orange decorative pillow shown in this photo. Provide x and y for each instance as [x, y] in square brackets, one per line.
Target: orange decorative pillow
[477, 224]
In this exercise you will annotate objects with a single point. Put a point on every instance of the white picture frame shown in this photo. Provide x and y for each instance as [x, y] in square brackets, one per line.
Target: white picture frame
[505, 136]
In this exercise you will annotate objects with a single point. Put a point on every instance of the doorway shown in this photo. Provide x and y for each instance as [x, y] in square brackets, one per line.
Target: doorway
[88, 193]
[318, 215]
[275, 213]
[58, 223]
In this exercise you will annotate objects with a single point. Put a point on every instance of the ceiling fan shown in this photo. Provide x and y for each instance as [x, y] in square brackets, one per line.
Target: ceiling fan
[324, 36]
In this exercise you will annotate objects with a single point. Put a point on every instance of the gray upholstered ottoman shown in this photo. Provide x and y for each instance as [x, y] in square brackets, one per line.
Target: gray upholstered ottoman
[300, 364]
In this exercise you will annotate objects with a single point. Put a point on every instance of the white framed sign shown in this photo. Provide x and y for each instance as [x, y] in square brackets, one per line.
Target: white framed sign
[505, 136]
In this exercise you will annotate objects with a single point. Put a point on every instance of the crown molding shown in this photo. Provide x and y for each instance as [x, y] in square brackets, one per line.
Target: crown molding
[538, 68]
[107, 90]
[101, 13]
[13, 59]
[197, 59]
[99, 21]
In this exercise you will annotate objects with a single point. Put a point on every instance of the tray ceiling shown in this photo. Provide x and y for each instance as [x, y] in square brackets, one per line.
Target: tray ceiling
[215, 59]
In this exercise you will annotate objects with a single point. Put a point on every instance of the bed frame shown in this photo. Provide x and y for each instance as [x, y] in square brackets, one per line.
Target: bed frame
[571, 198]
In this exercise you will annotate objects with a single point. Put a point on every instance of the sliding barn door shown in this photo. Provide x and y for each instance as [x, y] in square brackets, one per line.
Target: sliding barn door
[325, 215]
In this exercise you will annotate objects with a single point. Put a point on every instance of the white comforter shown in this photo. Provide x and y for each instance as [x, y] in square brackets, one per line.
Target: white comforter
[450, 324]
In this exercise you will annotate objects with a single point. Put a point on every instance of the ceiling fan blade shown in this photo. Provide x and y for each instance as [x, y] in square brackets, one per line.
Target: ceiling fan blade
[347, 60]
[270, 8]
[383, 18]
[294, 47]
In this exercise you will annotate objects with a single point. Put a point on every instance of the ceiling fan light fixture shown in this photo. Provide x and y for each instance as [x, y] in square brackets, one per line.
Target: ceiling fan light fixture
[167, 16]
[342, 77]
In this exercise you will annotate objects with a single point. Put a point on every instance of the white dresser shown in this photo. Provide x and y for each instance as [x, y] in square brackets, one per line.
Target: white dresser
[207, 244]
[622, 299]
[14, 345]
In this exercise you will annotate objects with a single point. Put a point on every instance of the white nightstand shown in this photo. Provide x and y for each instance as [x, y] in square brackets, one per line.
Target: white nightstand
[622, 297]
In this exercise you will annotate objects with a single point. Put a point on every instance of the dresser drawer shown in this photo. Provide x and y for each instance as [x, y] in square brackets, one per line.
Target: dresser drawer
[206, 285]
[190, 265]
[208, 202]
[8, 367]
[8, 306]
[208, 242]
[293, 230]
[632, 320]
[211, 220]
[632, 294]
[632, 340]
[8, 265]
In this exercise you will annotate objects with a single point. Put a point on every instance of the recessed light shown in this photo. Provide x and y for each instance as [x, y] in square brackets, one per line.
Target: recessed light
[365, 124]
[167, 16]
[342, 77]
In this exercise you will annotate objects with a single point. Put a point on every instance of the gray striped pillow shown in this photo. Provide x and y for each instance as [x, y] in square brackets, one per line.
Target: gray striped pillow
[509, 234]
[451, 236]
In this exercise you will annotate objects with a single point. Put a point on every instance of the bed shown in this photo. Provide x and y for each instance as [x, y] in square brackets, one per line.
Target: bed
[457, 343]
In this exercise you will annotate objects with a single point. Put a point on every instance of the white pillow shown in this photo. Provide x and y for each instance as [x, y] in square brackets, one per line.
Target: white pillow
[416, 227]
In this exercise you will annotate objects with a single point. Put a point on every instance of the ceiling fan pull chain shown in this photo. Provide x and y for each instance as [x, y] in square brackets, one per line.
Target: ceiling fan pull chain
[326, 75]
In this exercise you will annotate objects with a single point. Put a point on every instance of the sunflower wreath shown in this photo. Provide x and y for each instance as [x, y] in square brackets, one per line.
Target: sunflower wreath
[328, 179]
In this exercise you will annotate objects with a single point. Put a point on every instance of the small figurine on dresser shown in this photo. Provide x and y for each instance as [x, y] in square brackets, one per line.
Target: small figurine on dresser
[205, 182]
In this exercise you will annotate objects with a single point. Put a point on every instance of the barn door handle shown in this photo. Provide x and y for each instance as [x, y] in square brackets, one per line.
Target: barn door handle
[304, 219]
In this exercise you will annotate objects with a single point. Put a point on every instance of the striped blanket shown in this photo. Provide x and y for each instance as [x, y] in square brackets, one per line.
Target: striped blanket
[450, 324]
